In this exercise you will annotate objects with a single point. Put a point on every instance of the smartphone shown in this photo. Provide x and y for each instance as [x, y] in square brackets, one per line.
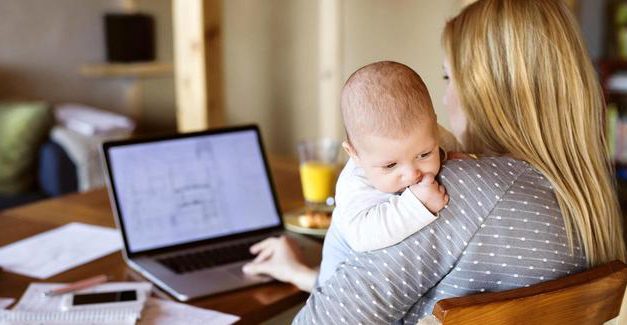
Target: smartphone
[100, 299]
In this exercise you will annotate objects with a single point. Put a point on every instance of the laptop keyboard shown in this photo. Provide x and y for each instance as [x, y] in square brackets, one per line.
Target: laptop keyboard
[208, 258]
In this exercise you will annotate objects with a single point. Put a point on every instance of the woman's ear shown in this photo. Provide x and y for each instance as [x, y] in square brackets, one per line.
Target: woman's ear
[350, 150]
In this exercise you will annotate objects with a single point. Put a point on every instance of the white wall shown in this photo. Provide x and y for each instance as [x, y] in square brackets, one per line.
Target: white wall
[407, 31]
[158, 101]
[270, 52]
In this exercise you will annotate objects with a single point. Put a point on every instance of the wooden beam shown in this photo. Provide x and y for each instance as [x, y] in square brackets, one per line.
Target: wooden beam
[198, 63]
[330, 69]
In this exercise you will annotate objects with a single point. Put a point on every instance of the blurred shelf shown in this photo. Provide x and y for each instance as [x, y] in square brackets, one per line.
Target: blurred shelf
[621, 171]
[136, 70]
[607, 67]
[613, 62]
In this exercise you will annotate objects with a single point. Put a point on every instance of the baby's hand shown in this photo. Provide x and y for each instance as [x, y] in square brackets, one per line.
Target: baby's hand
[430, 193]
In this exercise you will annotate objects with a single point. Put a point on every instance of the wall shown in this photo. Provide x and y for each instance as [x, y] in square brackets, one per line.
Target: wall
[158, 101]
[405, 31]
[270, 49]
[43, 43]
[591, 15]
[270, 52]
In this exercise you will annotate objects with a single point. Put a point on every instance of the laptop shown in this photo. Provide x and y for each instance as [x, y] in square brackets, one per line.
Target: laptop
[190, 205]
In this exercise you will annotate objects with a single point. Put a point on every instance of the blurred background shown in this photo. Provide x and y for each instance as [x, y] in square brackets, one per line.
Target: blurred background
[100, 69]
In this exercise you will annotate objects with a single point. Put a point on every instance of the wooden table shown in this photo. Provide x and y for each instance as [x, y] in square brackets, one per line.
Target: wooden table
[253, 304]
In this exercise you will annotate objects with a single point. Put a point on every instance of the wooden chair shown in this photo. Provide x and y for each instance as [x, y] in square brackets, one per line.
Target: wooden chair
[590, 297]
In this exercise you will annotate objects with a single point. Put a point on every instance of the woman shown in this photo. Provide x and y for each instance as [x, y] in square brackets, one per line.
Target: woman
[530, 90]
[541, 205]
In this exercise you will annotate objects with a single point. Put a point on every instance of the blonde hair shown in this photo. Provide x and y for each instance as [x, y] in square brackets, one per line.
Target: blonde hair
[528, 88]
[384, 98]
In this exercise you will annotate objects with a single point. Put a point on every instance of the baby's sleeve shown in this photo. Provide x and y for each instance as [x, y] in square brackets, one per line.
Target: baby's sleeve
[369, 219]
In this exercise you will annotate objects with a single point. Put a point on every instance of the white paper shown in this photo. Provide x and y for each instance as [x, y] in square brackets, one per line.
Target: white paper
[35, 300]
[164, 312]
[6, 302]
[55, 251]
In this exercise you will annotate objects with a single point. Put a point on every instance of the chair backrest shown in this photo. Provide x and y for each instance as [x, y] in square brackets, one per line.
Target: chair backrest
[590, 297]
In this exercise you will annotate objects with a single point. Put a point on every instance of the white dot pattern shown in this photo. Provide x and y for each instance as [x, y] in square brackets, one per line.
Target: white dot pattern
[481, 249]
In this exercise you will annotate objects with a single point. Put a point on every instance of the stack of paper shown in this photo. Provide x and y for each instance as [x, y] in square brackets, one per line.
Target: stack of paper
[35, 300]
[92, 121]
[36, 308]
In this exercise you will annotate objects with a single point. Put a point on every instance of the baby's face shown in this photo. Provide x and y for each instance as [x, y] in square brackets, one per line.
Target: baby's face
[395, 163]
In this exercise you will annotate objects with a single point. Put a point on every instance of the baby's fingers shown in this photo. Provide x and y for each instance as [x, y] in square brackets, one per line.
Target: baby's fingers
[427, 179]
[442, 189]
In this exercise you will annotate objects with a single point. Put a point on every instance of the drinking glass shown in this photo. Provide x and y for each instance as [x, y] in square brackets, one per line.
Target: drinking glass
[318, 172]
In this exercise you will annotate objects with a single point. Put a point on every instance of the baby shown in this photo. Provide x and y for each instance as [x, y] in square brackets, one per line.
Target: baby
[387, 190]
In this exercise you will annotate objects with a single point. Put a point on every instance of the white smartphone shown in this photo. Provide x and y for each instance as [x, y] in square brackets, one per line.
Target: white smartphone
[95, 300]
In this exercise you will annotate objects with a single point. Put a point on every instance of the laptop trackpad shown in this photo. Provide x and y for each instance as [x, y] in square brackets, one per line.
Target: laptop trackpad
[205, 282]
[236, 270]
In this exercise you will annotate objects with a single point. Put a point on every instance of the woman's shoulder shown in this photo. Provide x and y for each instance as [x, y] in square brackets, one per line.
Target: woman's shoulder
[500, 168]
[488, 179]
[496, 162]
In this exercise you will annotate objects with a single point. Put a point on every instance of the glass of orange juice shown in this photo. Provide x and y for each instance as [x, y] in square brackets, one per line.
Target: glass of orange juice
[318, 172]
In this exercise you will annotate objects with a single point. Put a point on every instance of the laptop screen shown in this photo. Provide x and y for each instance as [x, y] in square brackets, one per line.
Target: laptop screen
[182, 190]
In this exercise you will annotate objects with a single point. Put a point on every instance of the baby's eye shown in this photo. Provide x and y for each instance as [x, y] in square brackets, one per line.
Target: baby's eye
[425, 155]
[389, 166]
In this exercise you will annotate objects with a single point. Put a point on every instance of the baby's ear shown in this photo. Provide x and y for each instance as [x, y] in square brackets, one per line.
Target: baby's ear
[350, 150]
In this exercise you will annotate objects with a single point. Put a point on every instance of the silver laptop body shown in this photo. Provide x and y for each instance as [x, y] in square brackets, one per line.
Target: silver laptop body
[192, 197]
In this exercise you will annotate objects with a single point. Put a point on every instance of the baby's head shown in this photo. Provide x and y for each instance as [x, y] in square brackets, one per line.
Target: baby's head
[390, 124]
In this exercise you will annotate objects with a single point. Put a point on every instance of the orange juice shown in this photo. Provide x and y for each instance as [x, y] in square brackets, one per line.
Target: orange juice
[318, 180]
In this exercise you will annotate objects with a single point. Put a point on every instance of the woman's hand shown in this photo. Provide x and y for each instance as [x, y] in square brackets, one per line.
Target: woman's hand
[282, 259]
